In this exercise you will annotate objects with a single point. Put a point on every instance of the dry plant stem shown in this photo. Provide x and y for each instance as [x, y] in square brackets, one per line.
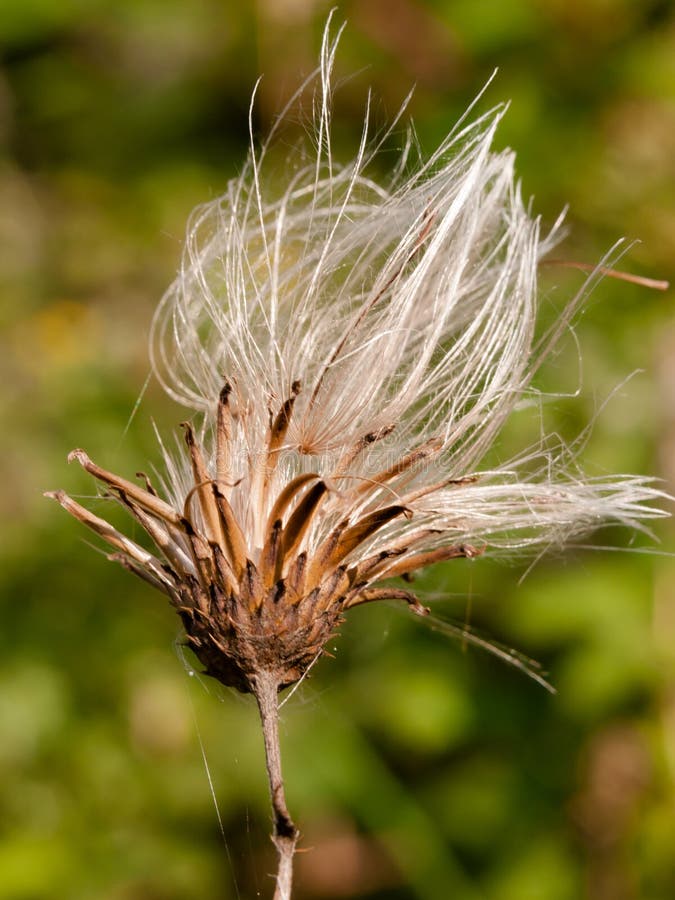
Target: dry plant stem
[285, 834]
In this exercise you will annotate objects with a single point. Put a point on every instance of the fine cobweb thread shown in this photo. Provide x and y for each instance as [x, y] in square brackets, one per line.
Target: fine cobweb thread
[212, 790]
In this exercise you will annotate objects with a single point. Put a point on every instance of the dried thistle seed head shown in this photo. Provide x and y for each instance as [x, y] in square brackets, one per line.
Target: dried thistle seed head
[247, 610]
[375, 338]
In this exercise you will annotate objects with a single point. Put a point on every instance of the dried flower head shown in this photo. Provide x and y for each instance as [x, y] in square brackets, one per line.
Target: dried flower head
[352, 349]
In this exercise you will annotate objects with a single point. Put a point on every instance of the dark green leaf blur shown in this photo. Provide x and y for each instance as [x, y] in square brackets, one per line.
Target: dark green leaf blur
[416, 767]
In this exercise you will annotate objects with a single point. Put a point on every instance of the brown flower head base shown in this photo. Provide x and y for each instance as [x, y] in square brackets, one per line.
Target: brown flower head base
[248, 611]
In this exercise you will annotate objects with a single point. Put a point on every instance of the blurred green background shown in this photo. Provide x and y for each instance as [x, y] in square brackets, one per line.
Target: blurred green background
[416, 768]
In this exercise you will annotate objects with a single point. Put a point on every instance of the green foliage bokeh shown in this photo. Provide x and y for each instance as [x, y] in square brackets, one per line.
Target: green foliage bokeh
[417, 768]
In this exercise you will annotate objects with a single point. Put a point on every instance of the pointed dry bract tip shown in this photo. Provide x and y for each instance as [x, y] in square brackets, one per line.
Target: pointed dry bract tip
[79, 456]
[471, 552]
[419, 610]
[70, 505]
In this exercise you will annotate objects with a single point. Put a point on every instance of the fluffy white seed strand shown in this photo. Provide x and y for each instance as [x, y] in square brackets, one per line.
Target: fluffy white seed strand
[411, 304]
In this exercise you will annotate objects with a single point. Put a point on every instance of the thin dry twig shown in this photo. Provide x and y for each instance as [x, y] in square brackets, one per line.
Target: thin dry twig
[285, 834]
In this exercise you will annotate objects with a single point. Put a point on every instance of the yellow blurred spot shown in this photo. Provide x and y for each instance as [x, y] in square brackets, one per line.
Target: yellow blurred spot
[64, 334]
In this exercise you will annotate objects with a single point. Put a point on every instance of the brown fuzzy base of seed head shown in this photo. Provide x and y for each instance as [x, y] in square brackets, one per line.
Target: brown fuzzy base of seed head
[281, 638]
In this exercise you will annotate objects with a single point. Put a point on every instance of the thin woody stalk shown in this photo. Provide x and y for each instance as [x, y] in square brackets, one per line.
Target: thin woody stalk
[285, 834]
